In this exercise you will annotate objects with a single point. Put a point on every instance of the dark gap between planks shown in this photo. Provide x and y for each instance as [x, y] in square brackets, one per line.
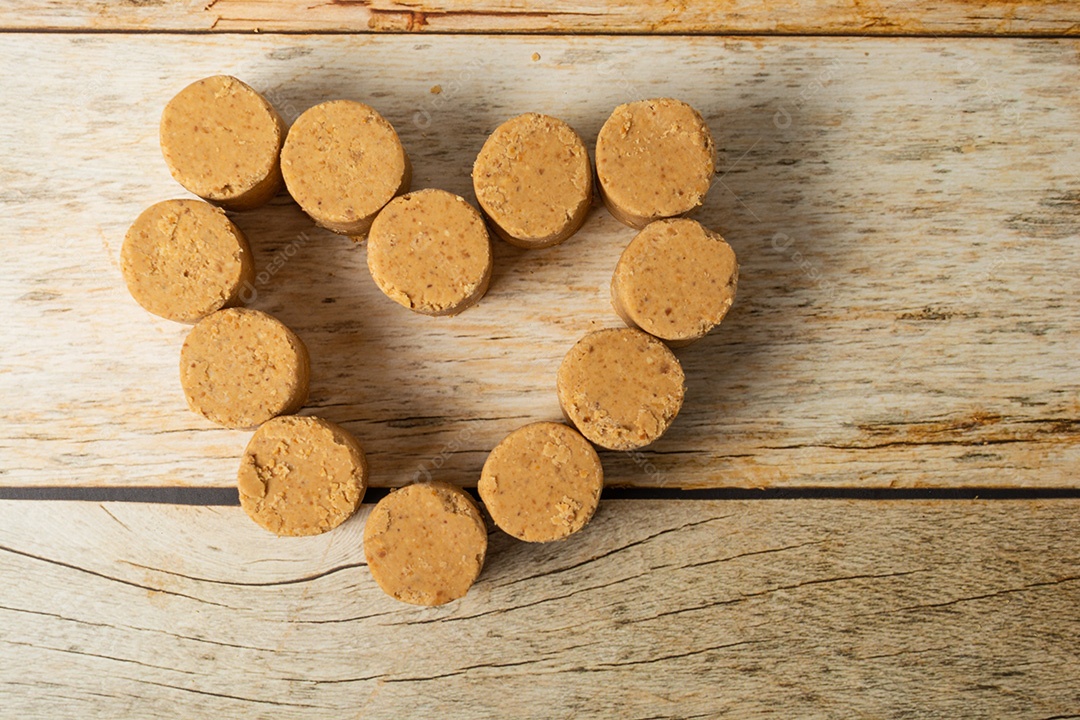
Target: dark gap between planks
[224, 496]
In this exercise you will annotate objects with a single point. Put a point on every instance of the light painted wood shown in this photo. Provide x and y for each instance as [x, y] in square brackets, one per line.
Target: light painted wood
[784, 17]
[905, 212]
[659, 609]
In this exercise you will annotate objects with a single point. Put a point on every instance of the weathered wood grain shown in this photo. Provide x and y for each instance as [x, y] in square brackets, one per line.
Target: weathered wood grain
[782, 17]
[659, 609]
[905, 212]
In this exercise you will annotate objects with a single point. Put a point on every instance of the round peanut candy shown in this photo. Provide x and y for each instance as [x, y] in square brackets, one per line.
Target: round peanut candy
[675, 280]
[343, 162]
[241, 367]
[184, 259]
[533, 180]
[301, 476]
[542, 482]
[222, 141]
[654, 159]
[430, 252]
[621, 388]
[425, 543]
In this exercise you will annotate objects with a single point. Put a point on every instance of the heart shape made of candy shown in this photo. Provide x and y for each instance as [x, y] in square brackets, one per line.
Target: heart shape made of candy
[429, 251]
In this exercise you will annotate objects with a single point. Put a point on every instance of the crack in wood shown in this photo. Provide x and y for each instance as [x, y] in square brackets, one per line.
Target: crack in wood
[674, 656]
[73, 651]
[554, 598]
[614, 551]
[355, 618]
[751, 553]
[480, 666]
[823, 581]
[135, 629]
[57, 616]
[258, 701]
[110, 578]
[973, 442]
[118, 520]
[987, 596]
[905, 652]
[269, 583]
[460, 671]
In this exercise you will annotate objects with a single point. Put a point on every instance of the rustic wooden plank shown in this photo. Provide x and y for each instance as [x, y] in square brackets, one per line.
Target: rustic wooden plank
[905, 212]
[658, 609]
[758, 17]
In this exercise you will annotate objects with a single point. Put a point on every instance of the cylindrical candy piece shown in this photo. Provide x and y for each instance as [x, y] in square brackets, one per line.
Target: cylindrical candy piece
[301, 475]
[675, 280]
[430, 252]
[425, 543]
[184, 259]
[241, 367]
[222, 141]
[654, 159]
[343, 162]
[542, 482]
[621, 388]
[533, 180]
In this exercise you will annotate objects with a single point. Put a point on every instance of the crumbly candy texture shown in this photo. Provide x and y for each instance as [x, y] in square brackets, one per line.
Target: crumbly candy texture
[343, 162]
[430, 252]
[222, 141]
[654, 159]
[301, 476]
[533, 180]
[241, 367]
[675, 280]
[542, 482]
[621, 388]
[184, 259]
[425, 543]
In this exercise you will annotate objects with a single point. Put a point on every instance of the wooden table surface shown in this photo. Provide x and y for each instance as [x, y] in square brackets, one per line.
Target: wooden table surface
[868, 507]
